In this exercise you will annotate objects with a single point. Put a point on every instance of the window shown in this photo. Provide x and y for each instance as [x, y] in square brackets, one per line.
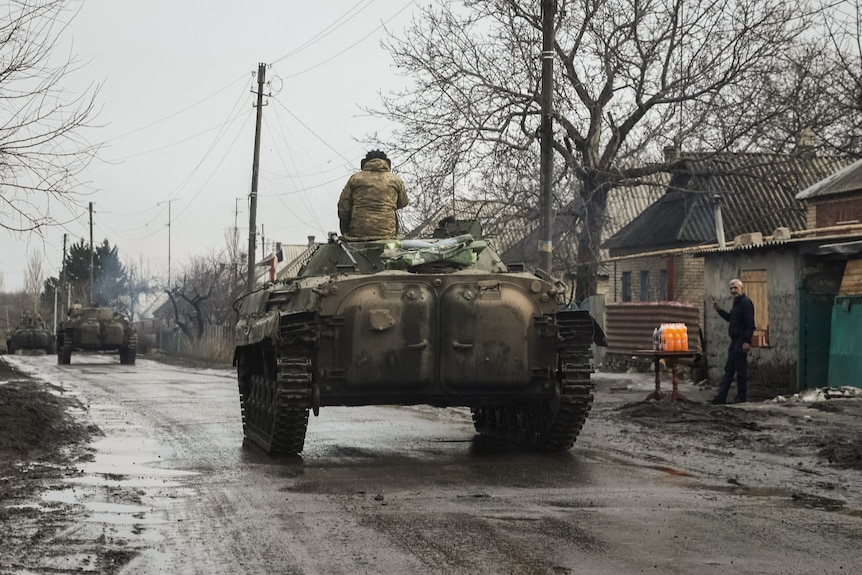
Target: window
[754, 282]
[645, 286]
[662, 285]
[627, 286]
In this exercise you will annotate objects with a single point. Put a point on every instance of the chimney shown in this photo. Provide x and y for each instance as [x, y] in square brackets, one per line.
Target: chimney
[719, 222]
[671, 154]
[806, 141]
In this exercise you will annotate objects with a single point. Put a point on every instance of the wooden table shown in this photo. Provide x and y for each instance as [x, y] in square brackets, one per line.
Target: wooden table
[671, 358]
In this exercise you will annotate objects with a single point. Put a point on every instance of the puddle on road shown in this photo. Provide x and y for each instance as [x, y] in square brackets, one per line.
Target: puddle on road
[121, 490]
[786, 496]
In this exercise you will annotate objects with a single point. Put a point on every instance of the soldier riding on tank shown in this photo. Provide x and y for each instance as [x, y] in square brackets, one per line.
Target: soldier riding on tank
[369, 202]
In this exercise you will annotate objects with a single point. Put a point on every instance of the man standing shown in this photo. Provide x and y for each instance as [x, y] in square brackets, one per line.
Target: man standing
[369, 201]
[740, 330]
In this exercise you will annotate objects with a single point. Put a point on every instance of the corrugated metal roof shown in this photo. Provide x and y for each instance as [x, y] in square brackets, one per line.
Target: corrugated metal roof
[847, 180]
[849, 243]
[757, 194]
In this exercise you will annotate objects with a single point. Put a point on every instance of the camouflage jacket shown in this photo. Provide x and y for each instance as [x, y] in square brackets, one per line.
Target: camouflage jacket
[367, 206]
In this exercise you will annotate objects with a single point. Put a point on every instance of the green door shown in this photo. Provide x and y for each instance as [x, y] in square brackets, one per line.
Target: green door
[815, 319]
[845, 350]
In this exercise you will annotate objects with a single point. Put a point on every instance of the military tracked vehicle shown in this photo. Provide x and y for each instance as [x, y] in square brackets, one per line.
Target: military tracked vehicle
[403, 322]
[30, 335]
[94, 329]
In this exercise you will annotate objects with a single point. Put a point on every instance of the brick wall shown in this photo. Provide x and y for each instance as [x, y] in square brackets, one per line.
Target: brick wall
[831, 212]
[688, 286]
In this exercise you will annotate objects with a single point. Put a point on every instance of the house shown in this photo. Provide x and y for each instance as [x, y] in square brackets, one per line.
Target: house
[835, 202]
[285, 261]
[710, 197]
[807, 288]
[796, 285]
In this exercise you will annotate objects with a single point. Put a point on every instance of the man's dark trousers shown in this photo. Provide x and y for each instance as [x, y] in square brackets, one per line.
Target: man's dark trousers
[737, 362]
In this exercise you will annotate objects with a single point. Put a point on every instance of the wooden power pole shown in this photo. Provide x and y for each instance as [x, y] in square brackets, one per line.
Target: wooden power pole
[91, 254]
[255, 169]
[546, 241]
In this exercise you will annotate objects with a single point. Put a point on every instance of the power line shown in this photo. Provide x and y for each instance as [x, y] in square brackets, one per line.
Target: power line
[340, 21]
[178, 112]
[337, 54]
[312, 132]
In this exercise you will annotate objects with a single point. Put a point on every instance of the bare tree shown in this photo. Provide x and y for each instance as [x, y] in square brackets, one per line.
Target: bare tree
[839, 94]
[41, 145]
[33, 278]
[200, 296]
[136, 284]
[633, 77]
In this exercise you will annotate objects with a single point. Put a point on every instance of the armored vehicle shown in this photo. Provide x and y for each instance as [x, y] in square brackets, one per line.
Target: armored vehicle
[31, 335]
[403, 322]
[96, 329]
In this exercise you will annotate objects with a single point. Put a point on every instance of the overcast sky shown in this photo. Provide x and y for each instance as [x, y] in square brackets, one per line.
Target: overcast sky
[177, 122]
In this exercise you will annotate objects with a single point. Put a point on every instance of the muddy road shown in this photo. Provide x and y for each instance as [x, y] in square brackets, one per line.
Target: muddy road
[166, 485]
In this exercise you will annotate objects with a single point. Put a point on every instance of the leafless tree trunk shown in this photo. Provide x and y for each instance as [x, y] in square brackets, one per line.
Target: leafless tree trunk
[42, 149]
[202, 297]
[33, 278]
[137, 284]
[632, 78]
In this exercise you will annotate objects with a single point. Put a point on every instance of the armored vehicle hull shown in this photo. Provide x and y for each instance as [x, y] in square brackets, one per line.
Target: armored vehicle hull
[96, 330]
[453, 327]
[30, 338]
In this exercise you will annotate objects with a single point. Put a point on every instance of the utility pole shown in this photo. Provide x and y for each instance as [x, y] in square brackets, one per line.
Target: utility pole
[255, 170]
[62, 289]
[168, 202]
[91, 253]
[234, 257]
[546, 256]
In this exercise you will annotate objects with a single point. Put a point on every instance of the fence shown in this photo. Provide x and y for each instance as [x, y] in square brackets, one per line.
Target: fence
[629, 326]
[216, 343]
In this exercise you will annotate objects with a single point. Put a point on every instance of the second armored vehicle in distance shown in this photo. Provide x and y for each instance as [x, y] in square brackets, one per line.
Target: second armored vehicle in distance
[94, 329]
[30, 335]
[441, 321]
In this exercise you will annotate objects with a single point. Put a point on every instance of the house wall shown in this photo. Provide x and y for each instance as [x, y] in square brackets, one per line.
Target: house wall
[688, 275]
[687, 272]
[830, 212]
[771, 370]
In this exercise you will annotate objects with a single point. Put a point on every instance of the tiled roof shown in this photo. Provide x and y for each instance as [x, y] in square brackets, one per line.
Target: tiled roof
[756, 193]
[848, 179]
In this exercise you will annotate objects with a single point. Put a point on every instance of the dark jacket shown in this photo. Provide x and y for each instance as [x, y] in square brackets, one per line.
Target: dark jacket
[741, 318]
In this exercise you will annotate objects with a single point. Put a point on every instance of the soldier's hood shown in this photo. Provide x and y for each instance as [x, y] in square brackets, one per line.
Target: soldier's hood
[376, 165]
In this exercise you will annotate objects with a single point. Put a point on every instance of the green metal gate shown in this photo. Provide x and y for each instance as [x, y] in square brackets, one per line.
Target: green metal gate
[815, 314]
[845, 349]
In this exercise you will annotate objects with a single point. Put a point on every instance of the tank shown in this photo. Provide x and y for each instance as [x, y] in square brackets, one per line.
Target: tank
[441, 321]
[30, 335]
[94, 329]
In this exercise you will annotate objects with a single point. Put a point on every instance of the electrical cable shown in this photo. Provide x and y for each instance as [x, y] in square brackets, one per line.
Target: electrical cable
[327, 30]
[337, 54]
